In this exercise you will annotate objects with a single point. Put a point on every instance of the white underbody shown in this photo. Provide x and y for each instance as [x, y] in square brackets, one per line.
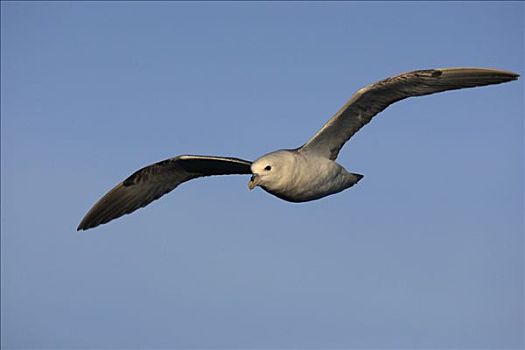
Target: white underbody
[304, 176]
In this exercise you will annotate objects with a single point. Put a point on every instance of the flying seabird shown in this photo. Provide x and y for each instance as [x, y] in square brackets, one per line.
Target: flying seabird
[296, 175]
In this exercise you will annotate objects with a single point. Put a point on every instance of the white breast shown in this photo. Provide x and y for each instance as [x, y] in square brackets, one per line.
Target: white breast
[310, 177]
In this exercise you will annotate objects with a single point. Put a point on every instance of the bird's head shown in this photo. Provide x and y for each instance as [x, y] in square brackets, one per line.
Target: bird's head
[270, 171]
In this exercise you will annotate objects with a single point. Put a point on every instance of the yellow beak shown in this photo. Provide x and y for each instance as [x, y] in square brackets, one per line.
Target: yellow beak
[254, 181]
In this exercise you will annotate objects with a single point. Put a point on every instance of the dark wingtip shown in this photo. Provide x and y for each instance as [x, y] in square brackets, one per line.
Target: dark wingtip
[86, 225]
[81, 227]
[507, 75]
[511, 75]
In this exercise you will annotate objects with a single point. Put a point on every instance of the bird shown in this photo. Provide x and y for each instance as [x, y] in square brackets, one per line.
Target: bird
[302, 174]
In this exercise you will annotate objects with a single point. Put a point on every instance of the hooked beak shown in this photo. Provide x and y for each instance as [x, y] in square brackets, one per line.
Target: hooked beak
[254, 181]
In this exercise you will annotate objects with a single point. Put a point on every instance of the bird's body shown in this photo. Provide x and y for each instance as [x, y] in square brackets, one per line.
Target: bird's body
[303, 174]
[299, 176]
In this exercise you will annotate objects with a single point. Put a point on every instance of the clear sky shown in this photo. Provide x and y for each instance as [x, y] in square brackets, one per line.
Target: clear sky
[426, 251]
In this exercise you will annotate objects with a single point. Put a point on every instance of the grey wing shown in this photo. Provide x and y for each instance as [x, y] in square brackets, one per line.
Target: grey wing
[153, 181]
[369, 101]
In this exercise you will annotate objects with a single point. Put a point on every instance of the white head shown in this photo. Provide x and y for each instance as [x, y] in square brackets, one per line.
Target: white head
[272, 171]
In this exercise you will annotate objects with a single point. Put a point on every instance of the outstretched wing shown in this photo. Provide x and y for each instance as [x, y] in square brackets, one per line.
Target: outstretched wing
[369, 101]
[152, 182]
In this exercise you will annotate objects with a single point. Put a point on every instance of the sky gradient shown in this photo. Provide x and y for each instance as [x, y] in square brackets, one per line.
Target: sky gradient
[425, 252]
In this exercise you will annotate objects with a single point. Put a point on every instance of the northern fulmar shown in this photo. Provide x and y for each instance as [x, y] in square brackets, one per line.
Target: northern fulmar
[295, 175]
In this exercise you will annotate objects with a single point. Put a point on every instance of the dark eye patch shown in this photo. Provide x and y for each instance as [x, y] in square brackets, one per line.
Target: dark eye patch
[268, 168]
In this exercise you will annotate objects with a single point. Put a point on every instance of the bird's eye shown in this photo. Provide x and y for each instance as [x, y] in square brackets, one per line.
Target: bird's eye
[268, 168]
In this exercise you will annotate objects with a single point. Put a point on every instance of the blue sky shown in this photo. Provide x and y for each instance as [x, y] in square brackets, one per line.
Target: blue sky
[426, 251]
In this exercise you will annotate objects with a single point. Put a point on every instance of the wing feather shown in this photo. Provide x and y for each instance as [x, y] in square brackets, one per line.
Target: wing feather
[369, 101]
[155, 180]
